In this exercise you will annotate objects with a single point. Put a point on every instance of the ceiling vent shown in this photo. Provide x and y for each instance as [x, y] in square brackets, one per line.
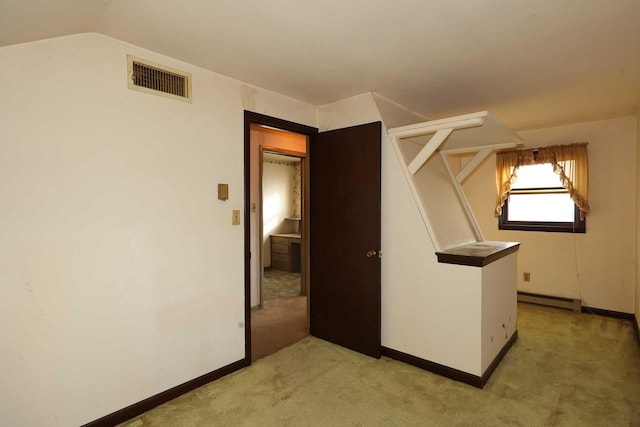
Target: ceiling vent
[150, 77]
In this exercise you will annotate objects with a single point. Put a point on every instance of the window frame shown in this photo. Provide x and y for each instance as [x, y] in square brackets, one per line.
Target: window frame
[577, 226]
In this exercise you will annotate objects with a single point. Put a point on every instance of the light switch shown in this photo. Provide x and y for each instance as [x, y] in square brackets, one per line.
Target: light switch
[235, 218]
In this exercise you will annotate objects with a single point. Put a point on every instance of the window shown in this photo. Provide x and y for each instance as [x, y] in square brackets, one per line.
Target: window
[538, 202]
[543, 189]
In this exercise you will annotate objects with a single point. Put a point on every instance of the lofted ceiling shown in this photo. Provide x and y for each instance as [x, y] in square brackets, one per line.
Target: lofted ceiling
[533, 63]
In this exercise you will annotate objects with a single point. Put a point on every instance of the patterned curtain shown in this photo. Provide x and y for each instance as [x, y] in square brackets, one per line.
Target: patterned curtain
[297, 192]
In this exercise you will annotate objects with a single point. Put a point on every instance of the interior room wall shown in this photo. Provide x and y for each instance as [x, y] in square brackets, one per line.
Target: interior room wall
[352, 111]
[450, 226]
[277, 196]
[122, 275]
[599, 266]
[394, 114]
[273, 138]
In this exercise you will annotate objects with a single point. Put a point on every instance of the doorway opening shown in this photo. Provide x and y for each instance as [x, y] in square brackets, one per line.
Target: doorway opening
[281, 207]
[276, 234]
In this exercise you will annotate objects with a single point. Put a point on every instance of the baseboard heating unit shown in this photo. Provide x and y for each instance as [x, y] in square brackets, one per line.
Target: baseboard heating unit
[568, 303]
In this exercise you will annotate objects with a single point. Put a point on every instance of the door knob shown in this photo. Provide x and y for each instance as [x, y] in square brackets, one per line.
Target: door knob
[371, 253]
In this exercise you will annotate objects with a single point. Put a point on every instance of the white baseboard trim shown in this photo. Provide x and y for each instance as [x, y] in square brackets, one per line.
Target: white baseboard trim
[551, 301]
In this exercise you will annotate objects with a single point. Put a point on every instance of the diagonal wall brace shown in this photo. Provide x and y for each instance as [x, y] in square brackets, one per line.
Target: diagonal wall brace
[430, 147]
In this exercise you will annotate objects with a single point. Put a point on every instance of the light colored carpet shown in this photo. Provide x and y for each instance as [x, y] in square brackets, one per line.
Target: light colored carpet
[566, 369]
[277, 285]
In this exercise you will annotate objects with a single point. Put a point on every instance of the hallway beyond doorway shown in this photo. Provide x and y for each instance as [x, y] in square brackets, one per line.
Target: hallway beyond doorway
[278, 325]
[277, 285]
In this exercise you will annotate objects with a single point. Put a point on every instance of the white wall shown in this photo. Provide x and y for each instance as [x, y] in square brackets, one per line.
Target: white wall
[499, 306]
[352, 111]
[277, 196]
[394, 114]
[122, 275]
[598, 266]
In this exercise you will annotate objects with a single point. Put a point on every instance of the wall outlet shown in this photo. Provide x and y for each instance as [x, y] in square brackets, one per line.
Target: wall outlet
[526, 277]
[235, 218]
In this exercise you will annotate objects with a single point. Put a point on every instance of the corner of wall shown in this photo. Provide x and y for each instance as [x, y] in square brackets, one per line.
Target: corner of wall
[353, 111]
[394, 114]
[365, 108]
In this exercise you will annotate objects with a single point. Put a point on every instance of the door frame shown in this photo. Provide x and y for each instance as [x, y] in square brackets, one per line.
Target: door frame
[310, 132]
[259, 210]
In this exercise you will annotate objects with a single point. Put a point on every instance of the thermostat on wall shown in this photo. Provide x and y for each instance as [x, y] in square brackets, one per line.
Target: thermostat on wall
[223, 192]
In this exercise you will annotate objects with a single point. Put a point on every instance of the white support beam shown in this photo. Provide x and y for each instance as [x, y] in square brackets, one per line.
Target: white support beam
[463, 200]
[493, 147]
[429, 148]
[421, 129]
[475, 132]
[416, 196]
[472, 164]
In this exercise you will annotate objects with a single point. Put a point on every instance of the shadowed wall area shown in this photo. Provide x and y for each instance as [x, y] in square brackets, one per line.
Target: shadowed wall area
[566, 369]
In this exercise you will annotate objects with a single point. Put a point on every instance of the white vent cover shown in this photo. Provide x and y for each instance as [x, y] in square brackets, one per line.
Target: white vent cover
[147, 76]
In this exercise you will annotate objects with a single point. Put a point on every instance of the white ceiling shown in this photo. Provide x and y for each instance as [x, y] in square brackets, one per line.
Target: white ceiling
[532, 63]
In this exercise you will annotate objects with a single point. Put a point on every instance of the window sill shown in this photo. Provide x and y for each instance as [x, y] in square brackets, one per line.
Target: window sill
[557, 227]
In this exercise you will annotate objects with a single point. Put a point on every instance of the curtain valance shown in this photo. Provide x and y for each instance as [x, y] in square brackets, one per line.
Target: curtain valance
[570, 162]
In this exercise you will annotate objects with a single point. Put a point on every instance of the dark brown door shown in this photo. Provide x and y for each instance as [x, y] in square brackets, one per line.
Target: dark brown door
[345, 237]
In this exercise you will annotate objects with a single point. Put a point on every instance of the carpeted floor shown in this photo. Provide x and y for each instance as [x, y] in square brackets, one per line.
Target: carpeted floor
[278, 325]
[278, 285]
[566, 369]
[282, 320]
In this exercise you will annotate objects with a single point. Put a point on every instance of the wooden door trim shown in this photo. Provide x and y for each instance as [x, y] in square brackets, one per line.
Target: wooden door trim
[250, 118]
[283, 151]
